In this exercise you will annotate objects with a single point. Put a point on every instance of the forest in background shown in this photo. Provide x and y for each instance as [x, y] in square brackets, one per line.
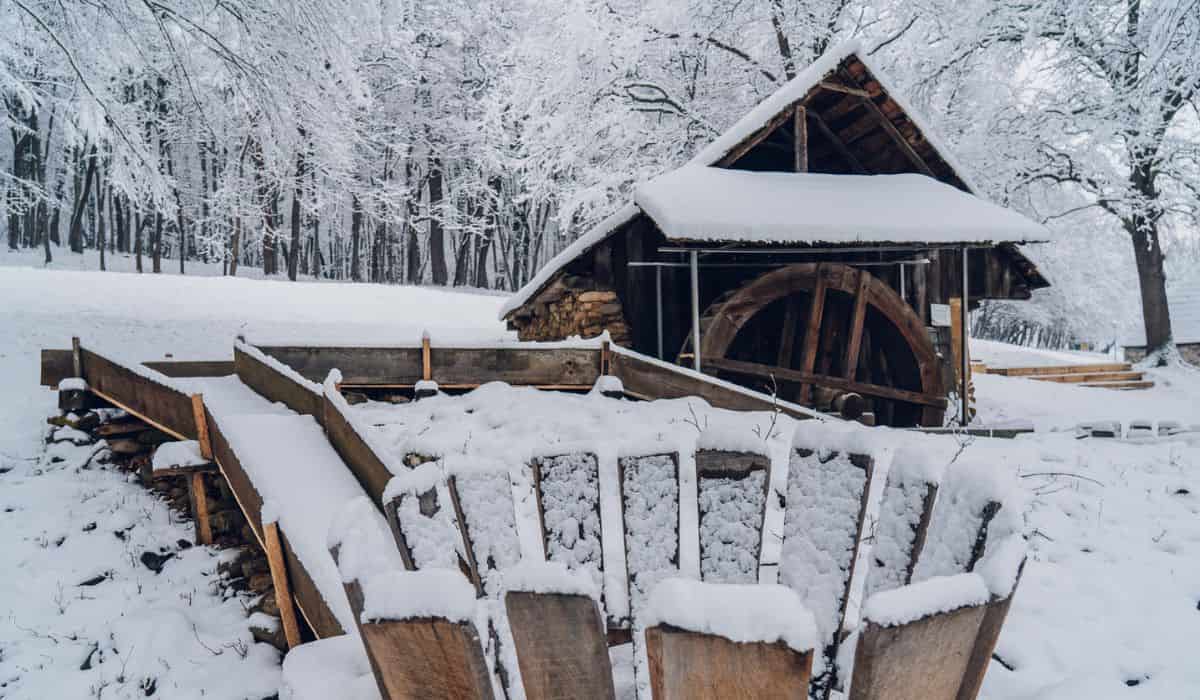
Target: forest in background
[465, 142]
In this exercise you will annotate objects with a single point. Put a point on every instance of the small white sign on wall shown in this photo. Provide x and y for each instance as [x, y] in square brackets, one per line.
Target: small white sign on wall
[939, 315]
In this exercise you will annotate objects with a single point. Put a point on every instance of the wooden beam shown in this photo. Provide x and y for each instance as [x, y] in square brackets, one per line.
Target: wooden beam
[755, 369]
[854, 344]
[800, 139]
[688, 665]
[838, 144]
[191, 368]
[812, 334]
[76, 357]
[787, 341]
[846, 89]
[201, 426]
[199, 502]
[283, 591]
[906, 147]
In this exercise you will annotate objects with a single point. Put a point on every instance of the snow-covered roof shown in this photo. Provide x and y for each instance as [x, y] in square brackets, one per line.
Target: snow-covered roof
[697, 203]
[1183, 301]
[796, 89]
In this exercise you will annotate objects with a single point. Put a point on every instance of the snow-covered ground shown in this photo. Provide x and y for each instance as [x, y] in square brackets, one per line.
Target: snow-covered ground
[1109, 604]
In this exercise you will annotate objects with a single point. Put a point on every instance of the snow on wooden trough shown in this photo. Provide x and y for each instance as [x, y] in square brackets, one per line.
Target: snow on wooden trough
[492, 539]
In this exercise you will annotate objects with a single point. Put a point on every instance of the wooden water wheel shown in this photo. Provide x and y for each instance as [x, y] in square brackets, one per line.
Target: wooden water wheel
[817, 331]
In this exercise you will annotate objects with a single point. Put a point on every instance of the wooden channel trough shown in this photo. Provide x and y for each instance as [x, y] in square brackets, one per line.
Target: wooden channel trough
[558, 637]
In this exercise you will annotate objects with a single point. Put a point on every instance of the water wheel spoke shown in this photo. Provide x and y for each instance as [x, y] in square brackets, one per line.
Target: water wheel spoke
[812, 333]
[755, 369]
[850, 365]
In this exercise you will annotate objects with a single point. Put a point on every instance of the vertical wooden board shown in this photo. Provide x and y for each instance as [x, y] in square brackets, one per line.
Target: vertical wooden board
[276, 386]
[812, 333]
[985, 642]
[198, 414]
[56, 365]
[823, 517]
[199, 502]
[857, 318]
[279, 577]
[368, 468]
[692, 666]
[922, 660]
[568, 499]
[650, 511]
[732, 490]
[428, 659]
[314, 608]
[561, 647]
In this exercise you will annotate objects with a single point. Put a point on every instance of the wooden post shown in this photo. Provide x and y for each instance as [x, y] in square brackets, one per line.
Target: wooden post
[605, 352]
[560, 644]
[201, 426]
[695, 266]
[426, 360]
[800, 132]
[812, 334]
[692, 666]
[965, 355]
[199, 502]
[76, 358]
[283, 591]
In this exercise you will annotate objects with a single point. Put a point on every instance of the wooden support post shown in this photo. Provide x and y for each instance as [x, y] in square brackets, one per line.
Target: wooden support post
[800, 131]
[965, 353]
[201, 426]
[658, 305]
[692, 666]
[199, 502]
[854, 343]
[812, 334]
[426, 360]
[695, 265]
[76, 358]
[605, 353]
[283, 591]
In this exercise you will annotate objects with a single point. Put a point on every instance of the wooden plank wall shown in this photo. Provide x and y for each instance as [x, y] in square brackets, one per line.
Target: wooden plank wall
[276, 386]
[157, 403]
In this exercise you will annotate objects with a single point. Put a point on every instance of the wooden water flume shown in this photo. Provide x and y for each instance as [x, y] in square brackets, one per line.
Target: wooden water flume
[553, 640]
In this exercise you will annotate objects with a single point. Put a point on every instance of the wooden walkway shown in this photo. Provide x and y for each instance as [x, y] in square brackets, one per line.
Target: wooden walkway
[1106, 375]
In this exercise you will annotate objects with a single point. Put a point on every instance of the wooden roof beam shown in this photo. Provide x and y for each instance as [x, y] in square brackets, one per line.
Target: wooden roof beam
[838, 145]
[906, 147]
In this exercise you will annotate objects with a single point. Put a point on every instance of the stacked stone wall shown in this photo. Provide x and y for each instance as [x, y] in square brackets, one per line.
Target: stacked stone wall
[571, 306]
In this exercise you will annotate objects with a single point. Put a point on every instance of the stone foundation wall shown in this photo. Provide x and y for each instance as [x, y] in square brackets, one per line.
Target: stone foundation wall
[571, 305]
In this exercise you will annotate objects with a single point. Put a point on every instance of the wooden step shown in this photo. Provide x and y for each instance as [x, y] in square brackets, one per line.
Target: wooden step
[1120, 385]
[1061, 369]
[1088, 377]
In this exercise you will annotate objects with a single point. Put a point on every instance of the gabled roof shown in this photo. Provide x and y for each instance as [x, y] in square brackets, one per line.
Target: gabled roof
[702, 204]
[854, 124]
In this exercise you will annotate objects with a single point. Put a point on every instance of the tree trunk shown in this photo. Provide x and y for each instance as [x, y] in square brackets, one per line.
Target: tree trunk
[1152, 281]
[356, 217]
[437, 239]
[294, 253]
[76, 230]
[156, 244]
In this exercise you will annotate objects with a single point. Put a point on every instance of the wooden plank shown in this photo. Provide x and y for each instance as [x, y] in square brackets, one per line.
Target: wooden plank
[561, 647]
[199, 502]
[787, 333]
[276, 386]
[800, 137]
[426, 362]
[76, 357]
[191, 368]
[854, 344]
[922, 660]
[473, 566]
[760, 370]
[162, 406]
[517, 366]
[366, 366]
[845, 89]
[812, 333]
[57, 365]
[368, 468]
[1061, 369]
[428, 659]
[650, 380]
[279, 578]
[692, 666]
[201, 426]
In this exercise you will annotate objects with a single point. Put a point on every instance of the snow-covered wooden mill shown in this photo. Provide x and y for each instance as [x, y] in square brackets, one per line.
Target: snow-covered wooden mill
[807, 245]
